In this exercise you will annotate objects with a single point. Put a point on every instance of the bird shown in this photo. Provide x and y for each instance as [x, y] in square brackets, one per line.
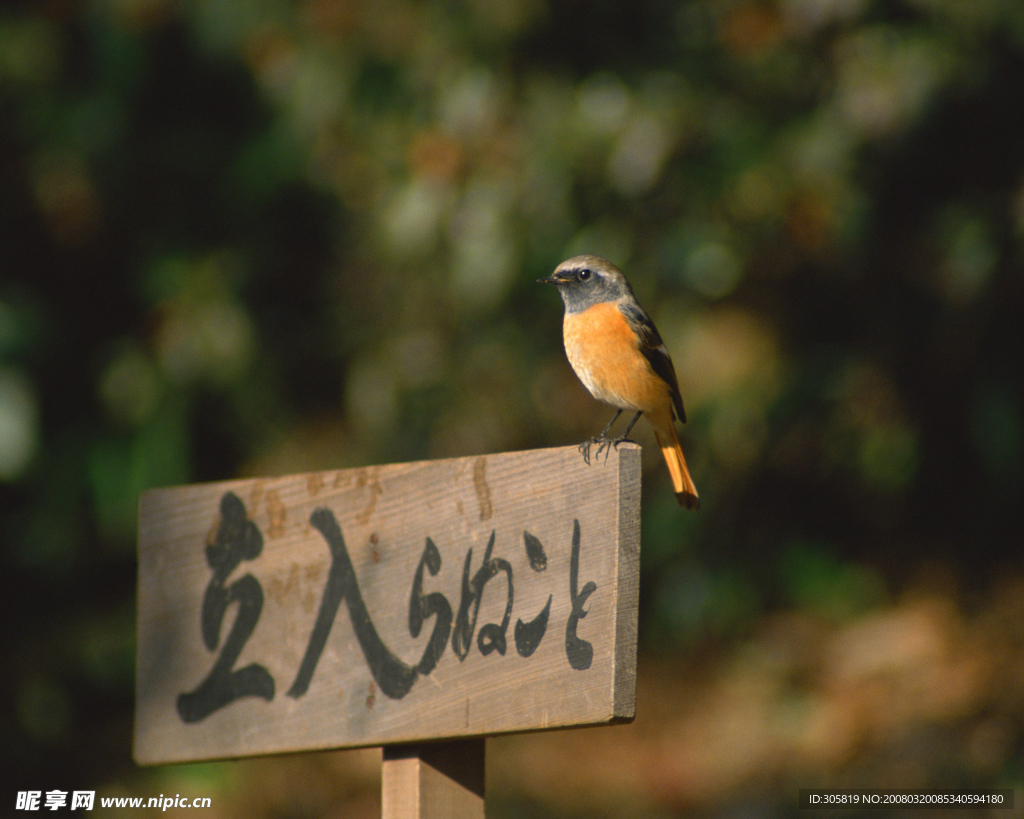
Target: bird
[617, 352]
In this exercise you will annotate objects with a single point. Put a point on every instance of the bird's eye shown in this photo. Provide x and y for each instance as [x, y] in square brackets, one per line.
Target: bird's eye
[585, 274]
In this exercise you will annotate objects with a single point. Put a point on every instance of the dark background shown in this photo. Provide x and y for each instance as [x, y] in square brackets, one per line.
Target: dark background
[254, 239]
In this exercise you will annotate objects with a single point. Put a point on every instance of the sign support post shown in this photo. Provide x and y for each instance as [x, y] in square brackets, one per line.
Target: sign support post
[420, 607]
[442, 779]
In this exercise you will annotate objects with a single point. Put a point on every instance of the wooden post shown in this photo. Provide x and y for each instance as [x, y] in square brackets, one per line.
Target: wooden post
[419, 607]
[442, 780]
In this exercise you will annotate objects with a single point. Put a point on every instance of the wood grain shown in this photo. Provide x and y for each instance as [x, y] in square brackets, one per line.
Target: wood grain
[208, 551]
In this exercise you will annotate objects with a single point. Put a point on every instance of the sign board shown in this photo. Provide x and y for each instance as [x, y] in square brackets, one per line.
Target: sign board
[390, 604]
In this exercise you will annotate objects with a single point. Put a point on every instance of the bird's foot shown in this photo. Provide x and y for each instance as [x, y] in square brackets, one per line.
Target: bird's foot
[584, 448]
[607, 444]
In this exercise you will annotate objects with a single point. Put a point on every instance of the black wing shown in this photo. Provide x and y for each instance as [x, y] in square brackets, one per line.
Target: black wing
[654, 351]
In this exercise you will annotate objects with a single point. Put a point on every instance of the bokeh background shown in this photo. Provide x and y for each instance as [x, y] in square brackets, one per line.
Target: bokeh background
[255, 238]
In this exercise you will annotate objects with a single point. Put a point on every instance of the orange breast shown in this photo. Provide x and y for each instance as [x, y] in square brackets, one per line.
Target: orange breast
[604, 352]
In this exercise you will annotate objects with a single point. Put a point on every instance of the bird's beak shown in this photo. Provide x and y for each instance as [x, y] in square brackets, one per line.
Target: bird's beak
[555, 278]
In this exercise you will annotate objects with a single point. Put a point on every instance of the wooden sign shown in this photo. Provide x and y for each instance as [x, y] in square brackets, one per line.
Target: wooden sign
[391, 604]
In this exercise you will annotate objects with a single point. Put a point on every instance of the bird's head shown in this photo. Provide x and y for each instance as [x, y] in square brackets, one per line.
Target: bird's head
[584, 281]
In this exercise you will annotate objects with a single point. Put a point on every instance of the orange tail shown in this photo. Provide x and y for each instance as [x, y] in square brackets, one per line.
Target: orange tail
[665, 433]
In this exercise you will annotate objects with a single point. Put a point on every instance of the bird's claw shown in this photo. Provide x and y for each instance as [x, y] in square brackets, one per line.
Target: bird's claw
[608, 444]
[604, 445]
[585, 447]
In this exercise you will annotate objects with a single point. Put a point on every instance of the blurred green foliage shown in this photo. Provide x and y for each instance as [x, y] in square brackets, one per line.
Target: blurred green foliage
[259, 238]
